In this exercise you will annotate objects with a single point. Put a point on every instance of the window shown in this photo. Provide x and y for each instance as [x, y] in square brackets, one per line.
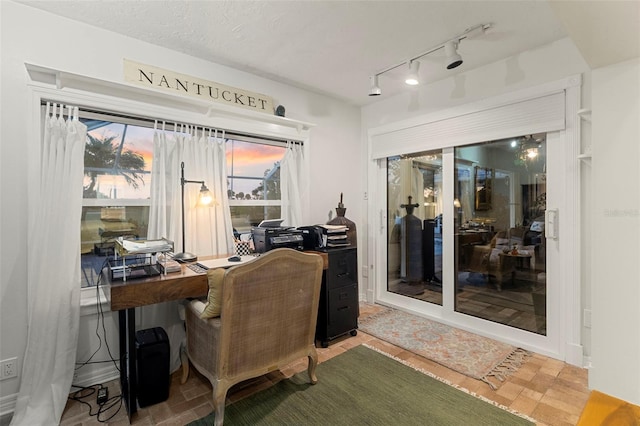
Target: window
[254, 181]
[117, 169]
[117, 181]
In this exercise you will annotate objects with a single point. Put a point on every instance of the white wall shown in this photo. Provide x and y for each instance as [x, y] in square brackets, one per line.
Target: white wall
[616, 230]
[33, 36]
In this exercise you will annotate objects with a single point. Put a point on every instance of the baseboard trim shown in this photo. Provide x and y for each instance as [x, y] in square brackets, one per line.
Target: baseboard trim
[586, 363]
[7, 407]
[102, 375]
[574, 354]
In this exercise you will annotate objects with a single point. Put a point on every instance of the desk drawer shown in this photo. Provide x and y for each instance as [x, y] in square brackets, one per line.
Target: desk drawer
[342, 268]
[342, 310]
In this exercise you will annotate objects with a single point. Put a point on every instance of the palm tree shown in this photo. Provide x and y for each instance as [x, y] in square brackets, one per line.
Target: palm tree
[103, 156]
[269, 188]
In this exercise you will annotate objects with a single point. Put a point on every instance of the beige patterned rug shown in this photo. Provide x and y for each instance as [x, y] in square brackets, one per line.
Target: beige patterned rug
[467, 353]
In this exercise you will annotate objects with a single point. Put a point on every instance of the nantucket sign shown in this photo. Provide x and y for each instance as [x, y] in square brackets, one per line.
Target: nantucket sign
[173, 82]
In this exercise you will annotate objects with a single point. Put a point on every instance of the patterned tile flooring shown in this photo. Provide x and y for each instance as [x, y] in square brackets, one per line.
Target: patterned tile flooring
[550, 391]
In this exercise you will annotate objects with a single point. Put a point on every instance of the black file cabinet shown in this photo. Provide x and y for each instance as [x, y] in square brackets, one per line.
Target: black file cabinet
[338, 308]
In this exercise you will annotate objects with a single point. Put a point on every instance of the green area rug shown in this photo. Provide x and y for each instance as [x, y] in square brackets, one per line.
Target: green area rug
[467, 353]
[364, 387]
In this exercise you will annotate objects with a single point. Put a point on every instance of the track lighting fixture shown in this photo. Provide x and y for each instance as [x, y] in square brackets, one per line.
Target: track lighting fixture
[451, 52]
[453, 58]
[412, 77]
[375, 89]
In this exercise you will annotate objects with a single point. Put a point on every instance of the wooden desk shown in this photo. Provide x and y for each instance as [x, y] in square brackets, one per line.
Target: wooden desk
[164, 288]
[161, 288]
[126, 296]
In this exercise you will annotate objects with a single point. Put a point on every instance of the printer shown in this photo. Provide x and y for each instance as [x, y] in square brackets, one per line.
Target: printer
[270, 235]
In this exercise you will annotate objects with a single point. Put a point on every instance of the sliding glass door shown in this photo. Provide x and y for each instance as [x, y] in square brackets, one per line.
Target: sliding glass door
[498, 181]
[414, 241]
[500, 200]
[498, 193]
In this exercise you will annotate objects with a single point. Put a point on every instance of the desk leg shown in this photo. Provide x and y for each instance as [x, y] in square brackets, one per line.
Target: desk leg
[128, 381]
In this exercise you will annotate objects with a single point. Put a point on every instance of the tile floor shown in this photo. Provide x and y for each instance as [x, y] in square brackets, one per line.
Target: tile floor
[551, 392]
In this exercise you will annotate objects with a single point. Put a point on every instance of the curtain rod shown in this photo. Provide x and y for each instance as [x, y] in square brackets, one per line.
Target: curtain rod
[143, 121]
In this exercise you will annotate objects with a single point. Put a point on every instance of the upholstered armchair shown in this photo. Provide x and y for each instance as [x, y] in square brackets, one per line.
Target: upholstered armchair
[491, 261]
[259, 316]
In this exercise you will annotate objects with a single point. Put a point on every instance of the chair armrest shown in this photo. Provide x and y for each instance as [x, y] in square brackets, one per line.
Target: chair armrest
[203, 337]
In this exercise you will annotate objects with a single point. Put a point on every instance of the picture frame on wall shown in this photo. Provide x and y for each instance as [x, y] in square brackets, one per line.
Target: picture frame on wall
[483, 180]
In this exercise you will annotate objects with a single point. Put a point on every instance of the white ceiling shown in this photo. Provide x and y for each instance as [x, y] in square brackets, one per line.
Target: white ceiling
[332, 47]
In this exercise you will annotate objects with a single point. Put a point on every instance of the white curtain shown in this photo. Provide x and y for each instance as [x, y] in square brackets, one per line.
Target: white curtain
[291, 184]
[208, 230]
[54, 285]
[467, 192]
[438, 192]
[417, 190]
[467, 195]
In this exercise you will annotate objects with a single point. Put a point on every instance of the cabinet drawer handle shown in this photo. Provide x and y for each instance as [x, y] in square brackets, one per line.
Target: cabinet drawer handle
[343, 308]
[343, 295]
[344, 274]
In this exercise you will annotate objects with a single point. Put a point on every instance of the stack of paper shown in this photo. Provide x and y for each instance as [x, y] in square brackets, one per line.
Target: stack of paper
[145, 246]
[168, 264]
[335, 235]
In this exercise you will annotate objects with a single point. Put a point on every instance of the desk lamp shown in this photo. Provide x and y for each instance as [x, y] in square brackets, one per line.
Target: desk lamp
[205, 198]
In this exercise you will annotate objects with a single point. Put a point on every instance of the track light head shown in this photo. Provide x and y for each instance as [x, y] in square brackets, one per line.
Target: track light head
[453, 58]
[412, 77]
[375, 89]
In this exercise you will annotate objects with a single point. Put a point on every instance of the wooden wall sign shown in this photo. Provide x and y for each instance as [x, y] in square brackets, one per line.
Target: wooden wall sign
[185, 85]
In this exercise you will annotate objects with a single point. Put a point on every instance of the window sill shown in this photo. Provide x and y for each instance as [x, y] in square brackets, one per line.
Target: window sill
[89, 300]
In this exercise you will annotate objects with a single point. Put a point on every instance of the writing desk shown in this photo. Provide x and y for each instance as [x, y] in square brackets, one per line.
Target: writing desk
[126, 296]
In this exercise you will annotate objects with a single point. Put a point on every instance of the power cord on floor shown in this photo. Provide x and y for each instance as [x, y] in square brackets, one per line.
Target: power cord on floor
[100, 392]
[104, 402]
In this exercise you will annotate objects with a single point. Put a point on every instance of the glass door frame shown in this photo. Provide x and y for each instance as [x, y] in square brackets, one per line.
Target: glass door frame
[563, 300]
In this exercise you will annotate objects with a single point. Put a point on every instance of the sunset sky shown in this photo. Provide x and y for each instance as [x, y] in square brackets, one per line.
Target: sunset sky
[243, 159]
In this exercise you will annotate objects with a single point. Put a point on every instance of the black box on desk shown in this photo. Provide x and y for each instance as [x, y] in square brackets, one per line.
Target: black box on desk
[153, 359]
[104, 249]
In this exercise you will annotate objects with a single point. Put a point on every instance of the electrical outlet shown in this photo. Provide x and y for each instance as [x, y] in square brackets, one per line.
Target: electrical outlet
[9, 368]
[586, 318]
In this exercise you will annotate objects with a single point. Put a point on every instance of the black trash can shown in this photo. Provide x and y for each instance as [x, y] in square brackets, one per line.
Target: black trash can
[153, 359]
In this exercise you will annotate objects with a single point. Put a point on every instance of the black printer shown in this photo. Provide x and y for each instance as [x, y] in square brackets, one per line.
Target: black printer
[273, 237]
